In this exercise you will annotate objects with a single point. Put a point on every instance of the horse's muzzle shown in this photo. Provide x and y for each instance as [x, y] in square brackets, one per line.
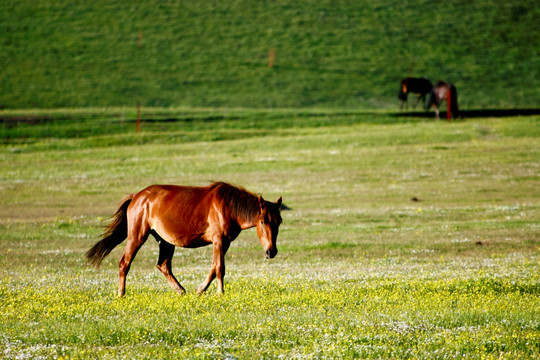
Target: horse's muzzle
[270, 253]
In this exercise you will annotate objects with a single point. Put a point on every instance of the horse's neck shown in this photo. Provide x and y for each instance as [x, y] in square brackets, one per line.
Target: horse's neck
[246, 220]
[242, 207]
[246, 223]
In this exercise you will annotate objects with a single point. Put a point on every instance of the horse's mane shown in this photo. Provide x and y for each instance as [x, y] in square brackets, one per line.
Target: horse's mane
[242, 203]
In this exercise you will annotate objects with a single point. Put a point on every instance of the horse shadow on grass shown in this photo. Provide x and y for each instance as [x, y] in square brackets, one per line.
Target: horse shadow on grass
[471, 114]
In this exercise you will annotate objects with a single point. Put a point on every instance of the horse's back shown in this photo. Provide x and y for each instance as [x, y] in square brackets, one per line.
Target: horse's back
[420, 85]
[179, 214]
[172, 193]
[416, 84]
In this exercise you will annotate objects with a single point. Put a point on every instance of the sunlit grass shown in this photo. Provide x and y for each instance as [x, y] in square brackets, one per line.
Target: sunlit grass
[431, 312]
[407, 239]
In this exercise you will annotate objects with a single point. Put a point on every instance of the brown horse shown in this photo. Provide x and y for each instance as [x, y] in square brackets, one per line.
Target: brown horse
[444, 91]
[188, 217]
[420, 86]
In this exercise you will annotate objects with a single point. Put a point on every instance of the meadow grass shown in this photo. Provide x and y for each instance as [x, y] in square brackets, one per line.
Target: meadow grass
[215, 53]
[405, 238]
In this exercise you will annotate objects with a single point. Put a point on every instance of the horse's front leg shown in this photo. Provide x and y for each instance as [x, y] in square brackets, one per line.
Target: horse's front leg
[217, 270]
[435, 107]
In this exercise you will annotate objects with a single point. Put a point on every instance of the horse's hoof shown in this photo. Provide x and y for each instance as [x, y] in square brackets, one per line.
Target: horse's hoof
[181, 292]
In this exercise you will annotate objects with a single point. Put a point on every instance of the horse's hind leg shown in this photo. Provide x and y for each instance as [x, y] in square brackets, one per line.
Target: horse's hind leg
[419, 98]
[166, 252]
[137, 235]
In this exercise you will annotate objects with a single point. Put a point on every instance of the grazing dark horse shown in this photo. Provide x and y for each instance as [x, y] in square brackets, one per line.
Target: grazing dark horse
[188, 217]
[444, 91]
[420, 86]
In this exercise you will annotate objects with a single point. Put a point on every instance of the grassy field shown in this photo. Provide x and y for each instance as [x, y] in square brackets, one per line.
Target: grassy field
[406, 238]
[215, 53]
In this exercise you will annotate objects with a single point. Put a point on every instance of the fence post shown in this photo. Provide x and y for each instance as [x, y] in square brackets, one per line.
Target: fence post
[271, 58]
[139, 117]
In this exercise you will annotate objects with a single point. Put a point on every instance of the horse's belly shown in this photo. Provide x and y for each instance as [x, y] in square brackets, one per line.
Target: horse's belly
[188, 241]
[194, 243]
[180, 237]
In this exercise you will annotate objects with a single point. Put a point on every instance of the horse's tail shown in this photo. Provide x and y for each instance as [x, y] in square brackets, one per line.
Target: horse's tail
[113, 236]
[454, 105]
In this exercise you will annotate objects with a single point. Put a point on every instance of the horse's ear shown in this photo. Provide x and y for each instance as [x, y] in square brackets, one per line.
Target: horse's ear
[261, 202]
[278, 202]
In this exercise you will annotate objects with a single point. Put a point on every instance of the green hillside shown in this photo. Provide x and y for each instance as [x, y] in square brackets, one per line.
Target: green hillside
[215, 53]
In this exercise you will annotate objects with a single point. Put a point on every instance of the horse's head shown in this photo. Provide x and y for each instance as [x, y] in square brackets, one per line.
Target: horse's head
[268, 225]
[402, 95]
